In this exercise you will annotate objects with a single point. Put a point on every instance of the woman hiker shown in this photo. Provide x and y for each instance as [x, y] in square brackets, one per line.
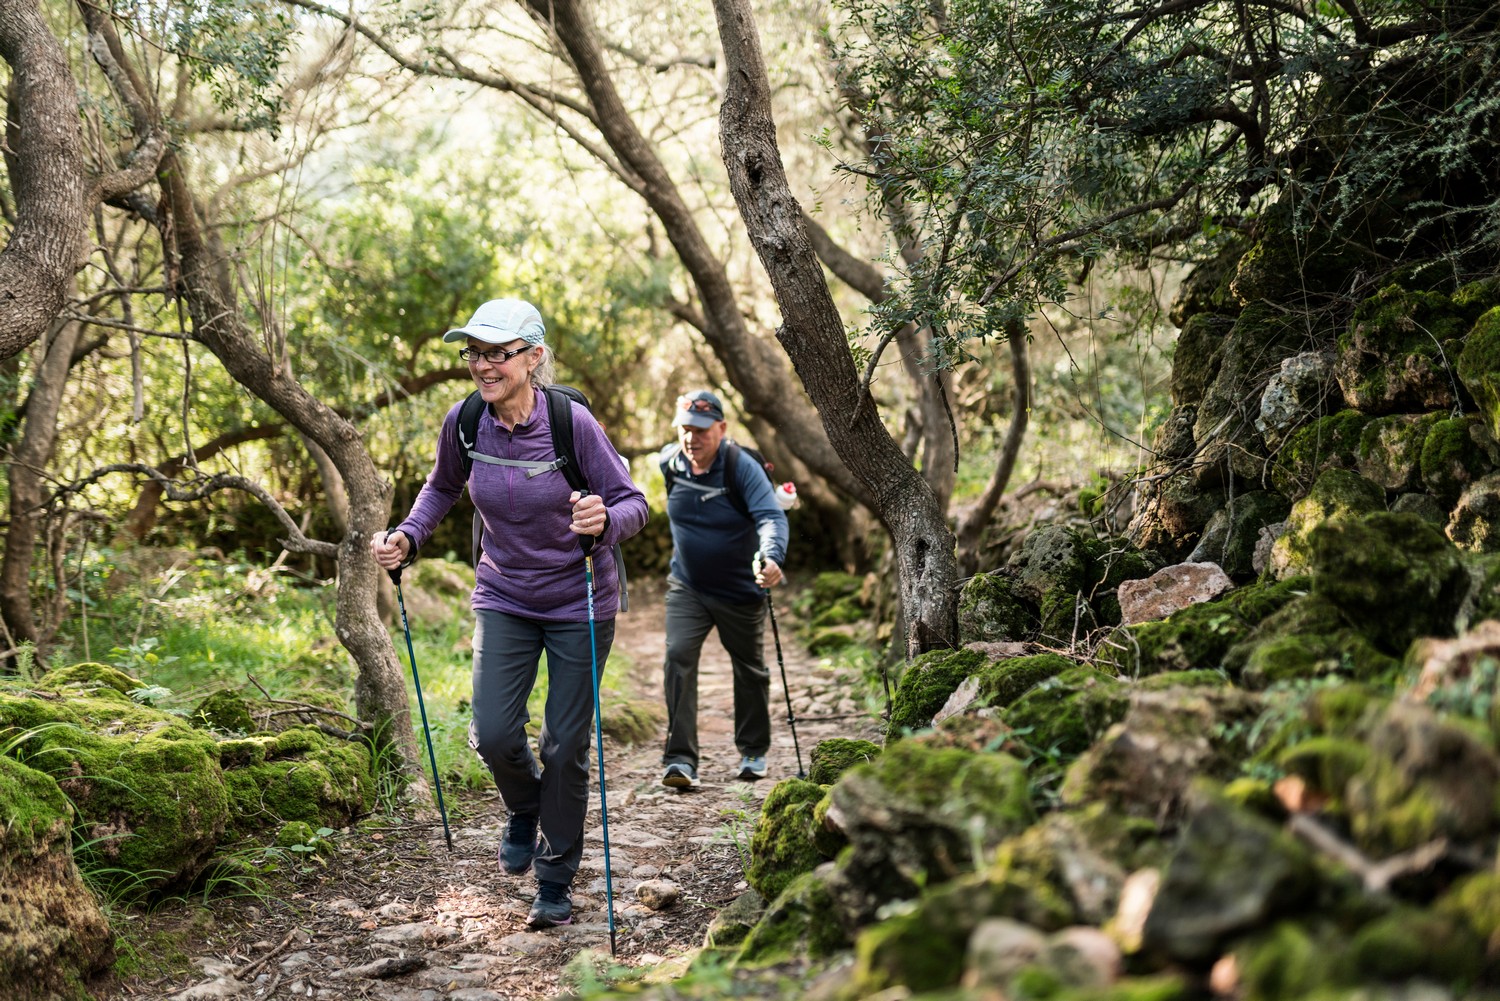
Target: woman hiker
[530, 590]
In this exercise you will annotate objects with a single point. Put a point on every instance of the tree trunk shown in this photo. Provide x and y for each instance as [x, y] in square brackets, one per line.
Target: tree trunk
[48, 178]
[813, 335]
[380, 689]
[755, 370]
[27, 466]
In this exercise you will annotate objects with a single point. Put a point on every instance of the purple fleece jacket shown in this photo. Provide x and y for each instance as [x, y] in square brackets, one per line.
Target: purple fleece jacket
[530, 564]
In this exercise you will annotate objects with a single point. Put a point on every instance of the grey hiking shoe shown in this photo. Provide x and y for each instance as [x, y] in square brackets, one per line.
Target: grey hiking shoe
[752, 767]
[518, 847]
[553, 905]
[680, 776]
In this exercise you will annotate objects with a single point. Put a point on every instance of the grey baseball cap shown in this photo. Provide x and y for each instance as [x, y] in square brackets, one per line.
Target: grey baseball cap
[501, 321]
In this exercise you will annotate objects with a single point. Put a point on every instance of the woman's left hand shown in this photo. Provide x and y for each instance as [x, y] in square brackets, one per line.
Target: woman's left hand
[589, 517]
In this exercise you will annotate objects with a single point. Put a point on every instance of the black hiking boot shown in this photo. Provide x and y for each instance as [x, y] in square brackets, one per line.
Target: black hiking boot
[553, 905]
[518, 847]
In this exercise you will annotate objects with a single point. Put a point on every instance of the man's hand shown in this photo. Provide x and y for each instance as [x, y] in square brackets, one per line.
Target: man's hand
[767, 573]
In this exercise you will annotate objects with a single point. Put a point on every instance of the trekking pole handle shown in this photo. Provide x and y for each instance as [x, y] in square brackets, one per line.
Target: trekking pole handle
[585, 540]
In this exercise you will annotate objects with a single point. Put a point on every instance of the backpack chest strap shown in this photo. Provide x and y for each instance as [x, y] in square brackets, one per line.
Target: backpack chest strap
[532, 467]
[708, 493]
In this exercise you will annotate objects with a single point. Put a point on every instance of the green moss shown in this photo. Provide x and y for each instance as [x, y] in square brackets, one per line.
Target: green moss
[1410, 943]
[986, 791]
[630, 721]
[828, 641]
[1479, 366]
[1452, 458]
[1299, 657]
[732, 925]
[1065, 713]
[1393, 576]
[926, 684]
[91, 679]
[1163, 987]
[1004, 681]
[299, 774]
[1197, 637]
[1326, 763]
[1475, 900]
[1330, 442]
[844, 611]
[1338, 494]
[1390, 449]
[147, 786]
[991, 610]
[908, 951]
[782, 847]
[1397, 348]
[832, 758]
[1288, 963]
[1183, 679]
[831, 585]
[1065, 616]
[795, 924]
[224, 711]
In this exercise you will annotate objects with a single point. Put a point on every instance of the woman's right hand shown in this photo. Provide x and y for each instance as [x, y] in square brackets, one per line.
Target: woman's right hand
[390, 548]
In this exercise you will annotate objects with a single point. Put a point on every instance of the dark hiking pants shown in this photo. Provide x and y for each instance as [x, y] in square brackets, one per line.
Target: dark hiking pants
[507, 649]
[690, 617]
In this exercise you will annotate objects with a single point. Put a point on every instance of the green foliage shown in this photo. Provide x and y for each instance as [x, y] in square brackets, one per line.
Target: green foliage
[236, 47]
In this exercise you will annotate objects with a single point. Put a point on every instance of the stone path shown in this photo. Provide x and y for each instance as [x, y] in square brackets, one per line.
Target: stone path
[396, 917]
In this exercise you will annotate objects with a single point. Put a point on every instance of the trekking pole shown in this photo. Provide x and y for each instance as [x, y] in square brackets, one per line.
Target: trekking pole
[416, 679]
[587, 541]
[791, 718]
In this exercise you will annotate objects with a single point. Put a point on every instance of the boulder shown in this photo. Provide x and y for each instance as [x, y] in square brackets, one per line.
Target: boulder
[1297, 393]
[1397, 353]
[1170, 590]
[926, 684]
[1329, 442]
[1474, 524]
[52, 932]
[782, 847]
[991, 609]
[1390, 450]
[1230, 872]
[1232, 534]
[1337, 494]
[833, 757]
[1479, 366]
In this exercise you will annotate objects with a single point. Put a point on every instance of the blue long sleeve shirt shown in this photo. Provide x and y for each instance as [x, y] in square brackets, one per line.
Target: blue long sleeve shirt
[530, 564]
[713, 544]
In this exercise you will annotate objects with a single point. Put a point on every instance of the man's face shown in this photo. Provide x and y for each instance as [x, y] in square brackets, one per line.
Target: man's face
[700, 445]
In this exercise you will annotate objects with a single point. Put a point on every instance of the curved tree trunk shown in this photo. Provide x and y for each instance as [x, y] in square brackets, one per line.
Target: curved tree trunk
[48, 178]
[756, 371]
[28, 493]
[813, 335]
[971, 527]
[380, 690]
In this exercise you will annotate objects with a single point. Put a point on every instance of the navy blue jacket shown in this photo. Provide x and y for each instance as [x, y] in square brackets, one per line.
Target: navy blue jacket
[713, 544]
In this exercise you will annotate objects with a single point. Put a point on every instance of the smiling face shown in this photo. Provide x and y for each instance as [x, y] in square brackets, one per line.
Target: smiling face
[502, 383]
[700, 445]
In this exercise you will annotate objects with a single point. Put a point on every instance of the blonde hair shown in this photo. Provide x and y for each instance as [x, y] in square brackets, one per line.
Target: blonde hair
[545, 372]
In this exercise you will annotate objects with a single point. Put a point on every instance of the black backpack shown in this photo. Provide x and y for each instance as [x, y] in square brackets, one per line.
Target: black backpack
[731, 450]
[560, 400]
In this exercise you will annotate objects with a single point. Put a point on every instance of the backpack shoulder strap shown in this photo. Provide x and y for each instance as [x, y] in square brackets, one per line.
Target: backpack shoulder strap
[468, 428]
[665, 458]
[560, 419]
[731, 452]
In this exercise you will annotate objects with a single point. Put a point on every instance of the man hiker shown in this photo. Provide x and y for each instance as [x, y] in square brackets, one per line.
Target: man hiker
[723, 513]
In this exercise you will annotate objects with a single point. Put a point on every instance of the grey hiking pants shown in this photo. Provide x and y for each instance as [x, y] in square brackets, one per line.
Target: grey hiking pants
[690, 616]
[507, 649]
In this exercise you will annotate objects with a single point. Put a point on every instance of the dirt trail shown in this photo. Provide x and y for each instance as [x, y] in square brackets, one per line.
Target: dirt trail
[396, 917]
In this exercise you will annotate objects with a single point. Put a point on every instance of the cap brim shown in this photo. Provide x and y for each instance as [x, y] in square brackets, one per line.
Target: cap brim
[694, 418]
[490, 335]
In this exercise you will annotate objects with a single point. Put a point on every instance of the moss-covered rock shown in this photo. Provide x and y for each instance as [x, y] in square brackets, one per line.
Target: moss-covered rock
[1410, 943]
[1065, 713]
[298, 774]
[795, 925]
[52, 933]
[830, 640]
[833, 757]
[1291, 961]
[148, 788]
[1474, 900]
[991, 610]
[782, 847]
[918, 814]
[225, 711]
[1455, 453]
[1390, 450]
[1397, 353]
[1330, 442]
[1426, 778]
[1171, 514]
[89, 679]
[731, 926]
[1004, 681]
[1475, 522]
[1337, 494]
[926, 684]
[1111, 562]
[1199, 636]
[1051, 558]
[1300, 657]
[1393, 576]
[1479, 366]
[1231, 872]
[845, 611]
[1197, 354]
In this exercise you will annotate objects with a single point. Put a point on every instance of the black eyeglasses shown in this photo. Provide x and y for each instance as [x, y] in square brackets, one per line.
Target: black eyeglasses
[702, 406]
[495, 356]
